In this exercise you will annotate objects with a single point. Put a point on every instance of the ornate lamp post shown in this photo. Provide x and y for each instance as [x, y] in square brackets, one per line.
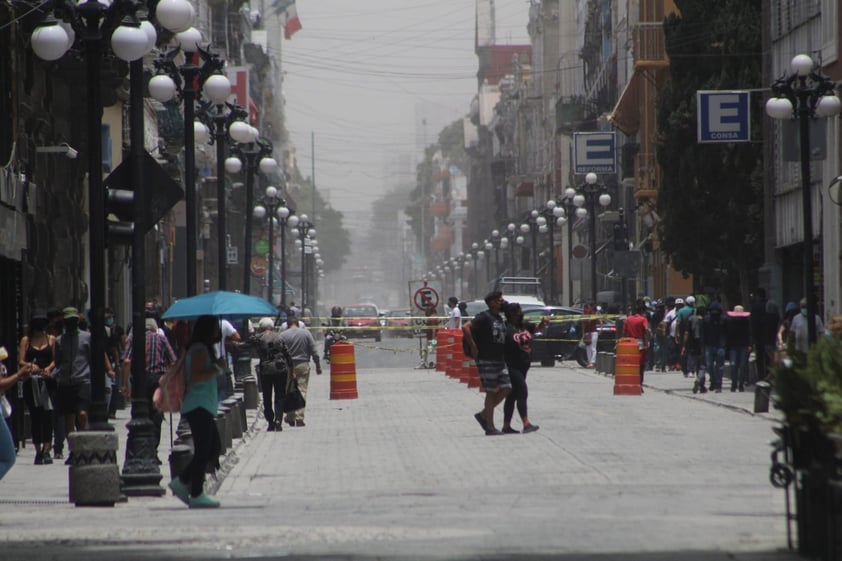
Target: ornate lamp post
[475, 255]
[510, 239]
[496, 242]
[570, 209]
[273, 205]
[173, 80]
[306, 233]
[94, 26]
[553, 214]
[255, 151]
[589, 192]
[219, 115]
[130, 39]
[805, 94]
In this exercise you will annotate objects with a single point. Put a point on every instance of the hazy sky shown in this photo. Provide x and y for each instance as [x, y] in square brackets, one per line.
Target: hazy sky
[358, 70]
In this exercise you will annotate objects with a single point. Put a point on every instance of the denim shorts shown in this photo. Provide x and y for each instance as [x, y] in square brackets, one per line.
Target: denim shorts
[493, 375]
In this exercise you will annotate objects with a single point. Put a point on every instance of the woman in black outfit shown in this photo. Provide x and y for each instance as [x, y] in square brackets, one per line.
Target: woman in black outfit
[37, 352]
[518, 355]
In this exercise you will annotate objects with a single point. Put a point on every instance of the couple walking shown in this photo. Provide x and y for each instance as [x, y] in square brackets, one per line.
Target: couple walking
[502, 350]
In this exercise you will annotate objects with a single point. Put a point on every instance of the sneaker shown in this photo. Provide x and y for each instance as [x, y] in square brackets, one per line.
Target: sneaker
[271, 427]
[703, 390]
[203, 501]
[58, 455]
[180, 490]
[300, 424]
[288, 420]
[510, 430]
[279, 426]
[696, 387]
[47, 459]
[39, 459]
[481, 420]
[493, 432]
[530, 428]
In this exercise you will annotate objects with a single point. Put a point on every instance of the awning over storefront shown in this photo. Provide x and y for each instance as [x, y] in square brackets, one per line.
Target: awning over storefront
[626, 113]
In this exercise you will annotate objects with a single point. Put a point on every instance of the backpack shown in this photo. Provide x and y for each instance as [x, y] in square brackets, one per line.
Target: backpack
[169, 395]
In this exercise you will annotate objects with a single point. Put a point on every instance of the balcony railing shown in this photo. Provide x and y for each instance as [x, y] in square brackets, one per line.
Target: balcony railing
[649, 45]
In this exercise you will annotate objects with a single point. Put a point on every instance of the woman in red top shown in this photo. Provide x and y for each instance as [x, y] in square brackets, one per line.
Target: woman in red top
[636, 326]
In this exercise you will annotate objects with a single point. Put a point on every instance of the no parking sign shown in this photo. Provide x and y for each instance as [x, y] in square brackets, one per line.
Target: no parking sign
[423, 291]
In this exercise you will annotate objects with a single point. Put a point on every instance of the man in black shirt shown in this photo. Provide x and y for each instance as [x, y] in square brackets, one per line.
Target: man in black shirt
[486, 337]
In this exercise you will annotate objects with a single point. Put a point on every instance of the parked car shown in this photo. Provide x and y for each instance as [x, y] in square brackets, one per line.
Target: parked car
[560, 340]
[399, 323]
[363, 321]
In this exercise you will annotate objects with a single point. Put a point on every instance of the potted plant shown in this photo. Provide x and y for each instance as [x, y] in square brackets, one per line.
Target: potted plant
[808, 390]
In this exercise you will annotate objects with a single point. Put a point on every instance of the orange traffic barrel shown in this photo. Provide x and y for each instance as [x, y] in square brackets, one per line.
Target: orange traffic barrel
[343, 371]
[627, 368]
[441, 344]
[455, 364]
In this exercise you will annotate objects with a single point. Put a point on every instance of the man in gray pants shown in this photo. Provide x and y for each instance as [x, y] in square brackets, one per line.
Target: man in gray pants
[302, 347]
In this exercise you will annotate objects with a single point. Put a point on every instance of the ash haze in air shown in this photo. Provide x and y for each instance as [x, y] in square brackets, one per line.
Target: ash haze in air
[375, 82]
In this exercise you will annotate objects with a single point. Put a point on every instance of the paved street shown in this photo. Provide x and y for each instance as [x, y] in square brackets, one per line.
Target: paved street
[405, 472]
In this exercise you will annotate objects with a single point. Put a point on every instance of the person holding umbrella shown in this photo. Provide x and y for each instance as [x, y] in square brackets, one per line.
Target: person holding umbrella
[200, 406]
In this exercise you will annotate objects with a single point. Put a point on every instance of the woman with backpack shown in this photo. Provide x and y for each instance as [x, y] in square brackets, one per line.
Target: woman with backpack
[200, 406]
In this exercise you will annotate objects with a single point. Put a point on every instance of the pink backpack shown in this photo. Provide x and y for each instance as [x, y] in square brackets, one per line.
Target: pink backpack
[169, 395]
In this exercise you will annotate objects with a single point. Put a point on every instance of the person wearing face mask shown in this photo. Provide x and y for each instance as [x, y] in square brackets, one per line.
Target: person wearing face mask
[73, 372]
[799, 328]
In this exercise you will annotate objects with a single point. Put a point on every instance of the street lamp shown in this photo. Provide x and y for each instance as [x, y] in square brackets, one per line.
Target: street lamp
[570, 209]
[805, 94]
[173, 82]
[255, 150]
[219, 115]
[273, 205]
[553, 214]
[306, 236]
[589, 192]
[475, 254]
[496, 242]
[510, 239]
[95, 25]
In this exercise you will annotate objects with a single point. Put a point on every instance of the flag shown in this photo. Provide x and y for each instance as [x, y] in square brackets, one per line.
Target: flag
[288, 12]
[291, 22]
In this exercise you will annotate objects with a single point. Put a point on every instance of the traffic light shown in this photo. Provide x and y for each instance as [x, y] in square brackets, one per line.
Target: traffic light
[119, 207]
[621, 242]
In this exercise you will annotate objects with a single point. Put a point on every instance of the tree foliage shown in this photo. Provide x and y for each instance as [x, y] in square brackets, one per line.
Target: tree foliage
[711, 198]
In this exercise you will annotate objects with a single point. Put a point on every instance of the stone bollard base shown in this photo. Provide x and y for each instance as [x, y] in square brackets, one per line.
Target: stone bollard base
[250, 396]
[94, 473]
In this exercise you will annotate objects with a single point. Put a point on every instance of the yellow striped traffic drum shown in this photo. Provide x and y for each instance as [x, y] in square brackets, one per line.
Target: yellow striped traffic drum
[627, 368]
[343, 371]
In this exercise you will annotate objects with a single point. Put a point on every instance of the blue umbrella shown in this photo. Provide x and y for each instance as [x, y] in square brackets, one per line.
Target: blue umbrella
[230, 305]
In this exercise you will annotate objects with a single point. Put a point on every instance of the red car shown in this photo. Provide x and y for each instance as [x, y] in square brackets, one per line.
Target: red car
[363, 321]
[400, 323]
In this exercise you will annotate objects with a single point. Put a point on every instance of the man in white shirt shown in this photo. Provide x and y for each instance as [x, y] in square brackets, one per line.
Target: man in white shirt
[454, 320]
[229, 334]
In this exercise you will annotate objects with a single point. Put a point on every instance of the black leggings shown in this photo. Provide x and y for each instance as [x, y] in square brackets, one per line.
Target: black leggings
[517, 396]
[206, 447]
[42, 419]
[273, 384]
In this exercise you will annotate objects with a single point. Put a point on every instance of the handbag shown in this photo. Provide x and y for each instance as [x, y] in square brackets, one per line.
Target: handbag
[5, 407]
[293, 400]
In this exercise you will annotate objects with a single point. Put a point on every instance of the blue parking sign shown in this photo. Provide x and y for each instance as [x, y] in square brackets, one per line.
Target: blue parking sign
[723, 116]
[594, 151]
